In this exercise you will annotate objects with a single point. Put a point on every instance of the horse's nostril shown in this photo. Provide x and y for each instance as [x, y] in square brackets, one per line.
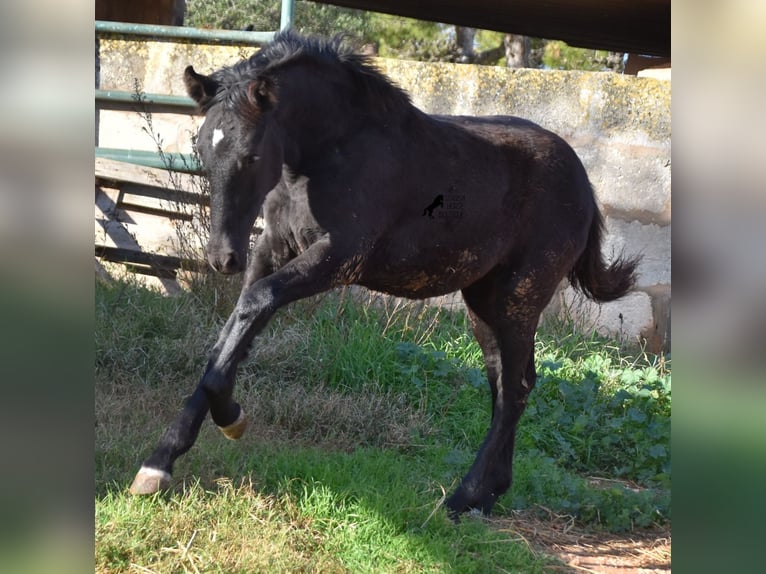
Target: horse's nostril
[230, 263]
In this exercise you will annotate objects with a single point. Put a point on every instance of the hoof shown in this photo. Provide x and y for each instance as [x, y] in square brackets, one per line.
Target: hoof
[149, 481]
[236, 429]
[461, 503]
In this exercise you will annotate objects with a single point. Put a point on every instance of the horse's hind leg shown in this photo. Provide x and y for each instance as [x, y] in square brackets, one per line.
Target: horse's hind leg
[504, 314]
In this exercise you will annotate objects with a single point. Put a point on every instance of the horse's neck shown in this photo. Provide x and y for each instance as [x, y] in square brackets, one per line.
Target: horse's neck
[309, 131]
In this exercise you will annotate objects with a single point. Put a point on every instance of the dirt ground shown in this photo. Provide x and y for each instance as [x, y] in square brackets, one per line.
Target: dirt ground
[580, 550]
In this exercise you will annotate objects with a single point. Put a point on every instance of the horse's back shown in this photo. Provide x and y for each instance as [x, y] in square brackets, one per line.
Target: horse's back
[533, 171]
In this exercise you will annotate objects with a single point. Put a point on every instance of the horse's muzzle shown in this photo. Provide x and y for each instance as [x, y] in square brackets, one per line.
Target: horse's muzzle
[228, 262]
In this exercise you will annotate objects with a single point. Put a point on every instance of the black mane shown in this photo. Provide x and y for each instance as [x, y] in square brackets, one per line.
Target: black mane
[290, 47]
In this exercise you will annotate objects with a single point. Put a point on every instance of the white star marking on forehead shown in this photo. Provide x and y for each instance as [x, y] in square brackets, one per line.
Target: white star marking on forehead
[217, 136]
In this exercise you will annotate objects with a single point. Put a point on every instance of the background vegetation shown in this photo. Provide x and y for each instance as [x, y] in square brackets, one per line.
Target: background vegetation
[406, 38]
[364, 414]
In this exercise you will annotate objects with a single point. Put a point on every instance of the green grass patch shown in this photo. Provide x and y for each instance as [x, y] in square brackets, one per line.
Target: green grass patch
[363, 416]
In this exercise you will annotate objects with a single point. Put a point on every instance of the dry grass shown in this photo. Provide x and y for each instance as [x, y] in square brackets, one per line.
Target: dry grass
[324, 417]
[583, 550]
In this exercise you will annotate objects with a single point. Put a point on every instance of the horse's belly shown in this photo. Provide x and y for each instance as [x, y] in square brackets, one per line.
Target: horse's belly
[424, 274]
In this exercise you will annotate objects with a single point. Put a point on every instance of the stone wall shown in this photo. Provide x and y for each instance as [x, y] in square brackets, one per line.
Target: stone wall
[620, 126]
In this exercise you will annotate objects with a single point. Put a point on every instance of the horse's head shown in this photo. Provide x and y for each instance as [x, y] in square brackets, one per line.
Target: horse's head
[241, 153]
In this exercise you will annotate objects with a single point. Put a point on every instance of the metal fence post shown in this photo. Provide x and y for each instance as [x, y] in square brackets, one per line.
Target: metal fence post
[288, 9]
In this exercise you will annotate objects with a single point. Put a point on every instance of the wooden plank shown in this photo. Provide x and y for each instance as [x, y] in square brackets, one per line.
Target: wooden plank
[157, 262]
[154, 233]
[144, 205]
[106, 200]
[141, 198]
[159, 272]
[125, 228]
[169, 195]
[118, 171]
[111, 222]
[136, 202]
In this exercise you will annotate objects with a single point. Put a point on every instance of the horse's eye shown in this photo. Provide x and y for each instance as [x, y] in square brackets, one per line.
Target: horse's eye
[247, 161]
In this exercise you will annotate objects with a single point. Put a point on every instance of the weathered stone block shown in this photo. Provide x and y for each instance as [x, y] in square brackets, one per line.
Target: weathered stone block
[651, 241]
[631, 179]
[630, 319]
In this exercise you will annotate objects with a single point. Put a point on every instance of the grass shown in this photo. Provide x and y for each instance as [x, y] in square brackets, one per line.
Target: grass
[363, 416]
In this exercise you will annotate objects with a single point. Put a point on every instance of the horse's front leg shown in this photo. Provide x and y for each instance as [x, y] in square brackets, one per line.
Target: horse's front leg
[226, 413]
[312, 272]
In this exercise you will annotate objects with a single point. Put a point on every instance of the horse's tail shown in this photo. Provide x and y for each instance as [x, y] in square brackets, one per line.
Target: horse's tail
[592, 275]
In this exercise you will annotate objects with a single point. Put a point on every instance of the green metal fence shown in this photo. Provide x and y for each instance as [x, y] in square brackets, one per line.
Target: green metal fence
[163, 103]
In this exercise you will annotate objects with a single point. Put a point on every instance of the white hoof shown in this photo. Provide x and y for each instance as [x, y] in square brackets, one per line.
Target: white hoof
[150, 480]
[236, 429]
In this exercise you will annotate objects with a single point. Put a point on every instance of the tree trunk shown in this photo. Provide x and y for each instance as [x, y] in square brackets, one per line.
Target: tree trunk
[464, 38]
[516, 51]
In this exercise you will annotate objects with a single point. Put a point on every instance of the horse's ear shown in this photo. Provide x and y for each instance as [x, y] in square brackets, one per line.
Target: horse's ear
[262, 93]
[200, 88]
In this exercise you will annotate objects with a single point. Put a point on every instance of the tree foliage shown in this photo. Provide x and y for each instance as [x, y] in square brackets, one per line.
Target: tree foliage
[405, 38]
[557, 55]
[264, 15]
